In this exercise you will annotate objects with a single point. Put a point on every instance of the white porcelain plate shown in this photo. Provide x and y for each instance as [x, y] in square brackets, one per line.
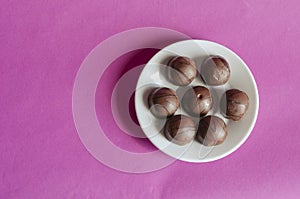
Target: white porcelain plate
[154, 75]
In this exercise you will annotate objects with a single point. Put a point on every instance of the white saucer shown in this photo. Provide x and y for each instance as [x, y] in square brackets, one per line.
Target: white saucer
[153, 75]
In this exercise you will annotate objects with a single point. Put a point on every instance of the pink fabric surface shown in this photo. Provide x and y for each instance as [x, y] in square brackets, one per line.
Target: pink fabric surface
[43, 43]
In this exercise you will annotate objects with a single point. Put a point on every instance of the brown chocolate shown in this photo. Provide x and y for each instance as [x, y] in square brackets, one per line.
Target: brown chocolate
[197, 101]
[182, 70]
[163, 102]
[211, 131]
[215, 71]
[180, 129]
[234, 104]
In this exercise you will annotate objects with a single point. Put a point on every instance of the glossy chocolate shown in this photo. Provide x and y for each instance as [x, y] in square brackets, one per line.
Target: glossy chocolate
[211, 131]
[234, 104]
[163, 102]
[215, 71]
[182, 71]
[180, 129]
[197, 101]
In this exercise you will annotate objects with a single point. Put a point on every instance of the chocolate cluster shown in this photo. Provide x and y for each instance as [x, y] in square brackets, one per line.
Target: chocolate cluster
[197, 101]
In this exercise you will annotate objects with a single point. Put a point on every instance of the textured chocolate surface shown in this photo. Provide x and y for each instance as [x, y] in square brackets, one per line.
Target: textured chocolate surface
[215, 71]
[180, 129]
[182, 71]
[163, 102]
[234, 104]
[211, 131]
[197, 101]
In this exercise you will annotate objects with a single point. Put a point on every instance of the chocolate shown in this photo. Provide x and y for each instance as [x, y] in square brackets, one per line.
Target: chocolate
[215, 71]
[180, 129]
[163, 102]
[211, 131]
[234, 104]
[182, 71]
[197, 101]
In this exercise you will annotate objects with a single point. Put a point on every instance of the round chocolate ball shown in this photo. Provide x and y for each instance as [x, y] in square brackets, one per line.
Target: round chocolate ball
[211, 131]
[182, 70]
[234, 104]
[197, 101]
[163, 102]
[180, 129]
[215, 71]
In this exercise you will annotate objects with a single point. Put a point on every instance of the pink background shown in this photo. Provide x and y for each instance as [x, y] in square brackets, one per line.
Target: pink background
[43, 43]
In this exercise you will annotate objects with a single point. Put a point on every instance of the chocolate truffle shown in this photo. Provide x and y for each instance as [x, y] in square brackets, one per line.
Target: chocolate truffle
[163, 102]
[211, 131]
[180, 129]
[234, 104]
[182, 71]
[215, 71]
[197, 101]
